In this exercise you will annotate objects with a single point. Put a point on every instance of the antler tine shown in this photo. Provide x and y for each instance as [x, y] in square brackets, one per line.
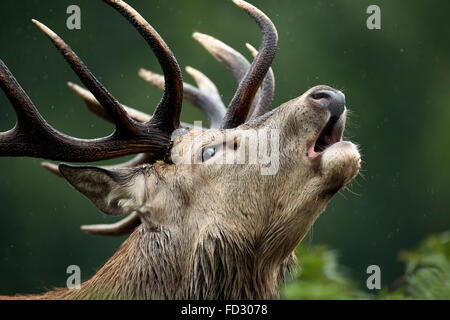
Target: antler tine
[203, 82]
[136, 161]
[53, 168]
[242, 100]
[96, 108]
[113, 107]
[153, 78]
[120, 228]
[167, 114]
[26, 112]
[206, 97]
[268, 91]
[234, 61]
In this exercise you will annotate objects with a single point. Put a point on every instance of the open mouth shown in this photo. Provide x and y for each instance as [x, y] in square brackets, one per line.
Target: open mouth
[330, 134]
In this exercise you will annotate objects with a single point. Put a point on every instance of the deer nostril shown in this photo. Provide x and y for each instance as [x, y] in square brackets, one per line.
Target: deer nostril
[332, 100]
[318, 95]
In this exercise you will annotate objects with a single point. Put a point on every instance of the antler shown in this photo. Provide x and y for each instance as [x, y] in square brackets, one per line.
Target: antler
[33, 137]
[240, 104]
[238, 65]
[167, 114]
[235, 62]
[268, 91]
[120, 228]
[96, 108]
[206, 96]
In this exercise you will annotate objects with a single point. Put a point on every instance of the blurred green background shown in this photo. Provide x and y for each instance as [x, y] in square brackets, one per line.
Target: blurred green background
[396, 81]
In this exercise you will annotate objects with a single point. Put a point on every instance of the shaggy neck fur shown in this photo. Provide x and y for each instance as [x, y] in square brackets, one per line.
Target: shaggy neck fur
[150, 265]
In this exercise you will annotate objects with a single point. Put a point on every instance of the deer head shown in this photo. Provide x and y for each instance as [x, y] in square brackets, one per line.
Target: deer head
[201, 227]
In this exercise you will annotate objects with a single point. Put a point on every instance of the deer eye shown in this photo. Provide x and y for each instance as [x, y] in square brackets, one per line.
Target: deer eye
[208, 153]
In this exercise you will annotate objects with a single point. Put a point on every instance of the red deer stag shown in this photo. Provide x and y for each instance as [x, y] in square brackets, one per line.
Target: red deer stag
[200, 229]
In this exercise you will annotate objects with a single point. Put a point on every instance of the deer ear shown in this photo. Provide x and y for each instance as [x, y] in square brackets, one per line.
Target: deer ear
[110, 191]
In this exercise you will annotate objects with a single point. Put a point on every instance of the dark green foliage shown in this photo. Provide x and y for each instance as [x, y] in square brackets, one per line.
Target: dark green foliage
[427, 273]
[321, 276]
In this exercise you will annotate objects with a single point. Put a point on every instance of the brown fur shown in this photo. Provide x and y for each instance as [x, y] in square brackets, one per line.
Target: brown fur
[212, 231]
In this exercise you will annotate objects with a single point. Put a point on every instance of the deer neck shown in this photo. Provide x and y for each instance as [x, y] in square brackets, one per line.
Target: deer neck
[152, 265]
